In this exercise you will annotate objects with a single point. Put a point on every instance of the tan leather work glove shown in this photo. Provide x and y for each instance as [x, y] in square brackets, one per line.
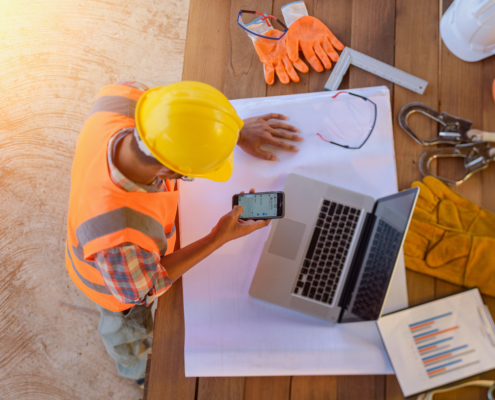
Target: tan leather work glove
[440, 205]
[452, 255]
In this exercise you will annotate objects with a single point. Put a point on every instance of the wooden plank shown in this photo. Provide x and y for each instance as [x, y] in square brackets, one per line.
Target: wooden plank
[370, 387]
[314, 388]
[420, 288]
[244, 76]
[470, 393]
[466, 92]
[267, 388]
[487, 178]
[167, 377]
[417, 54]
[461, 92]
[278, 88]
[241, 77]
[373, 32]
[392, 388]
[207, 32]
[337, 16]
[461, 95]
[221, 388]
[443, 288]
[205, 55]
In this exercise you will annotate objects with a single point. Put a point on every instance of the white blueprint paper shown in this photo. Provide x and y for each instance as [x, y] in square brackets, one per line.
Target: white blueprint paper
[228, 333]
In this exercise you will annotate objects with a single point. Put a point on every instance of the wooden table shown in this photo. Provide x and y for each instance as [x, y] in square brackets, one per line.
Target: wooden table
[403, 33]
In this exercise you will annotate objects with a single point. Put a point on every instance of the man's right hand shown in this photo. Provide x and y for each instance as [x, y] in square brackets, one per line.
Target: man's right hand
[230, 227]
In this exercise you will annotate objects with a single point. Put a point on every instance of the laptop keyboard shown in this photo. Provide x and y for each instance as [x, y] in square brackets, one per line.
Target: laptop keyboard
[380, 263]
[321, 269]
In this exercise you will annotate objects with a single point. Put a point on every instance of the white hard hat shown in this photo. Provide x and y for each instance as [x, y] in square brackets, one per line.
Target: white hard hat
[468, 29]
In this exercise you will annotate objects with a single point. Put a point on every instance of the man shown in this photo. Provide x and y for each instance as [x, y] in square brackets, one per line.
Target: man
[120, 227]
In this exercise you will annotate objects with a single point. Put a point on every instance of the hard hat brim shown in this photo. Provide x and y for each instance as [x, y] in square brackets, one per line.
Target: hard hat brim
[222, 174]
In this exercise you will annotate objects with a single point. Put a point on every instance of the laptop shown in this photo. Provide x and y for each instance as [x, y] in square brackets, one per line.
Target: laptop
[334, 254]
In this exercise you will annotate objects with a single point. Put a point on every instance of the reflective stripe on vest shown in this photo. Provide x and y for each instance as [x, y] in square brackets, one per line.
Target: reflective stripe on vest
[98, 288]
[116, 104]
[171, 233]
[102, 215]
[121, 218]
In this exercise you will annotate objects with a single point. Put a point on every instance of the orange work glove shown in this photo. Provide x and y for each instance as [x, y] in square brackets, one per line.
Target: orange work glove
[452, 255]
[311, 36]
[439, 205]
[273, 55]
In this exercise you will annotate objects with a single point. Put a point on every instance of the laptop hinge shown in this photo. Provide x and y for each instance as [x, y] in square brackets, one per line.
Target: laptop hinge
[356, 264]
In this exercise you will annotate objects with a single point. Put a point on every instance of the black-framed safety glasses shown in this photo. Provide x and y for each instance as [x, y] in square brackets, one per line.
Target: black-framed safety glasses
[352, 122]
[268, 19]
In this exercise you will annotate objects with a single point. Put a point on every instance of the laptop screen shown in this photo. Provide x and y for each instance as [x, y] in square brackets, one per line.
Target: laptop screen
[386, 231]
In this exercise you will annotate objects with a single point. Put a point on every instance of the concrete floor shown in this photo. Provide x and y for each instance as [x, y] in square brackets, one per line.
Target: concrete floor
[54, 56]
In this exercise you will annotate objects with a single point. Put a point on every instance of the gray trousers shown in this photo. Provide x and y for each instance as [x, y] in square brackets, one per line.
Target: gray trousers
[127, 336]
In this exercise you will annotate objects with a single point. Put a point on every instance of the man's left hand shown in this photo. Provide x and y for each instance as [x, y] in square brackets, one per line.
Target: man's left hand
[262, 130]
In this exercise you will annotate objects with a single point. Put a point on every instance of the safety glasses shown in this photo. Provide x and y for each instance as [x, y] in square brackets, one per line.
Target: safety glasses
[350, 123]
[268, 19]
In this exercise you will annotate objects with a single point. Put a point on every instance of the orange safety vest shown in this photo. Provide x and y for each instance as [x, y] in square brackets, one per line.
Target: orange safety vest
[102, 215]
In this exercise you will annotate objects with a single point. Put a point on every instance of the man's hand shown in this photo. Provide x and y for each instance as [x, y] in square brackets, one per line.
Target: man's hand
[230, 227]
[259, 131]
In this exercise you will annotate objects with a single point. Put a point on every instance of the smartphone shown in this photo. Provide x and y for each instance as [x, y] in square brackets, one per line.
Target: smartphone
[263, 205]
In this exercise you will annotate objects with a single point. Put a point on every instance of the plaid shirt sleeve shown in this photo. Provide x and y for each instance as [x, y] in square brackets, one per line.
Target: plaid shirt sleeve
[133, 275]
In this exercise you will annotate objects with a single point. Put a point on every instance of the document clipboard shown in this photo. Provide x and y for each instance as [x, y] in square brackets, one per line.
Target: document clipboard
[440, 342]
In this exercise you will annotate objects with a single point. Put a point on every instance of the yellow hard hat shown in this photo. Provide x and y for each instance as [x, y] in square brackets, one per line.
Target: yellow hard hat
[191, 128]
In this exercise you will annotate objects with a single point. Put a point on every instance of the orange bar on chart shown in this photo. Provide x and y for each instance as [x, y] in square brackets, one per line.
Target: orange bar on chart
[435, 333]
[420, 326]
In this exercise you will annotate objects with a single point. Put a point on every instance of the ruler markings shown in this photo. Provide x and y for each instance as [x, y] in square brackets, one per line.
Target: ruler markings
[379, 68]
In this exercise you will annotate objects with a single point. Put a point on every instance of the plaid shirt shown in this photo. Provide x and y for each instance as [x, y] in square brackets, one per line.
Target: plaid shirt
[133, 275]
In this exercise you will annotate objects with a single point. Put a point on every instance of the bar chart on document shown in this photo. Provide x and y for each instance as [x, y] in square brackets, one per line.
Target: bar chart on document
[439, 342]
[440, 345]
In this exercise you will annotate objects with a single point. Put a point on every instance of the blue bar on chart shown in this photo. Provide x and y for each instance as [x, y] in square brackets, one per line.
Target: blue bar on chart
[435, 342]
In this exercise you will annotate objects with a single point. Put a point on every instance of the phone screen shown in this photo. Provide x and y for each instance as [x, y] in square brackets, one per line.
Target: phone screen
[258, 205]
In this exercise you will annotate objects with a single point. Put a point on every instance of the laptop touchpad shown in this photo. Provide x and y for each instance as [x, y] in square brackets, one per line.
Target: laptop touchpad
[287, 238]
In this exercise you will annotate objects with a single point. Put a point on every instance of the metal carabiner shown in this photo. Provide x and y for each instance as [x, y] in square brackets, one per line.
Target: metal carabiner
[477, 156]
[454, 130]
